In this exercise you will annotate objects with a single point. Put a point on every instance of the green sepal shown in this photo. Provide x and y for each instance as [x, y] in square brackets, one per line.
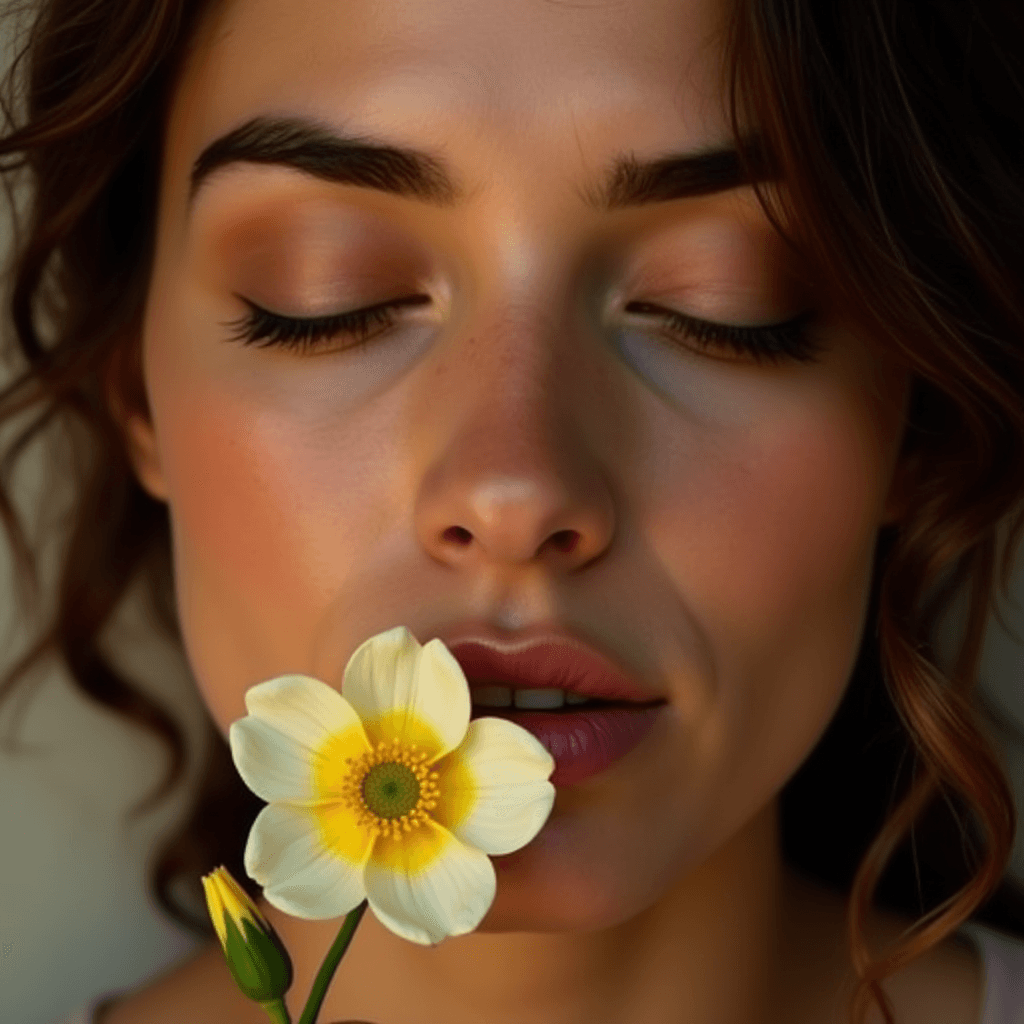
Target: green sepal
[260, 966]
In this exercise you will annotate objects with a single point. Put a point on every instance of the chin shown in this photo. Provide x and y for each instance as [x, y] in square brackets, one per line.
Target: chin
[540, 893]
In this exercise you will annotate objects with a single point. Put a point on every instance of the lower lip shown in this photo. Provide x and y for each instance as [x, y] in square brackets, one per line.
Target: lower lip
[582, 743]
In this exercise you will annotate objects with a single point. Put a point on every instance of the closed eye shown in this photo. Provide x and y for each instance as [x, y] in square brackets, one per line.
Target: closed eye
[772, 343]
[264, 329]
[787, 341]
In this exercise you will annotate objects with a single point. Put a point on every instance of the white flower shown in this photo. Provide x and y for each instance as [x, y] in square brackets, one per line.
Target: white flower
[388, 793]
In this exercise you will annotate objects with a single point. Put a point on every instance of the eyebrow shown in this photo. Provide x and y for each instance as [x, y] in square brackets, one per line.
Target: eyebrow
[320, 151]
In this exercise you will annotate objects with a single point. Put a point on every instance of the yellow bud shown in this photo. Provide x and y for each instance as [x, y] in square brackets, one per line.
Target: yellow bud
[256, 957]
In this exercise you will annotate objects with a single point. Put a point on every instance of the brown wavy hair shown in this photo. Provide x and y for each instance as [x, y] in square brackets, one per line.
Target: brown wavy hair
[898, 130]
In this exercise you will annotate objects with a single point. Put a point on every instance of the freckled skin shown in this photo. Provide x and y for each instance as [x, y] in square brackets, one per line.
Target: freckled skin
[726, 512]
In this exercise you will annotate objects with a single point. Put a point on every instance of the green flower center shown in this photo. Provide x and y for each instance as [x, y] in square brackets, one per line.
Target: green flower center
[391, 789]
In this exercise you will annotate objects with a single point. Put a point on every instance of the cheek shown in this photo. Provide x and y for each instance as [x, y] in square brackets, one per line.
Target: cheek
[771, 525]
[797, 515]
[265, 523]
[230, 499]
[771, 545]
[237, 549]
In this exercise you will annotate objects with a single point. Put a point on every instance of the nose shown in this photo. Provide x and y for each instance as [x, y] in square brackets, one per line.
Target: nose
[514, 469]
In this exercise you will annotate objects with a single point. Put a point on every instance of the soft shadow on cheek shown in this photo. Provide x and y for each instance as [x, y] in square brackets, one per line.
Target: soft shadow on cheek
[770, 533]
[808, 518]
[788, 534]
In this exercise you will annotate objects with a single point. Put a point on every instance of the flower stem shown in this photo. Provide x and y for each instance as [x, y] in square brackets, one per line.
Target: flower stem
[330, 964]
[277, 1011]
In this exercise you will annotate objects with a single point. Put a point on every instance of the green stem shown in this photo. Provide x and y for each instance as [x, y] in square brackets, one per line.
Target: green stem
[330, 964]
[277, 1011]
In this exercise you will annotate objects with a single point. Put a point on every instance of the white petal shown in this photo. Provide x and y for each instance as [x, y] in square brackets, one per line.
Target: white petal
[427, 885]
[494, 789]
[301, 875]
[298, 731]
[402, 690]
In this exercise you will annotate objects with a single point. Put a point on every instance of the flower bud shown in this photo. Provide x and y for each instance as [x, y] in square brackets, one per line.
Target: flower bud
[257, 959]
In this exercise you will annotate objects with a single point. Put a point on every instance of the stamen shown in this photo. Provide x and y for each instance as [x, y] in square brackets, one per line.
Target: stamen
[390, 789]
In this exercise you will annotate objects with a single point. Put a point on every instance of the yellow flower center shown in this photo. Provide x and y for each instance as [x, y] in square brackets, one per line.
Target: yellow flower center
[390, 788]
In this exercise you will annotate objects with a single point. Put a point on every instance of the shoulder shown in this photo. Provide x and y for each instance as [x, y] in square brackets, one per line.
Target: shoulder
[200, 991]
[1003, 958]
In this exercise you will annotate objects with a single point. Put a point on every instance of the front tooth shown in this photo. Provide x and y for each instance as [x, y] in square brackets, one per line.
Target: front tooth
[492, 696]
[537, 699]
[575, 698]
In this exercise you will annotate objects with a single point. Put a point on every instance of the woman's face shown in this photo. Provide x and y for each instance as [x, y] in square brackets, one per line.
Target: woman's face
[726, 509]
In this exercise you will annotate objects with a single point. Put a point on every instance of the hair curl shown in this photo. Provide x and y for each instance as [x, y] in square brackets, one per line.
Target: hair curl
[898, 129]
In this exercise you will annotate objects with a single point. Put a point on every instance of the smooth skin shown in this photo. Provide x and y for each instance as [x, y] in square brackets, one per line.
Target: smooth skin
[726, 511]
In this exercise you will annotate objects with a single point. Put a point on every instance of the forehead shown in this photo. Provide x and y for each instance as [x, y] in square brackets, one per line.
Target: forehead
[507, 74]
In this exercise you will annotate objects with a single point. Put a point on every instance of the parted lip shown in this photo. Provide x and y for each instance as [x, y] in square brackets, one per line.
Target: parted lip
[538, 657]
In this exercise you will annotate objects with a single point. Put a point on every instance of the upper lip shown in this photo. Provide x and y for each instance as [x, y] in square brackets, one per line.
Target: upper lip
[539, 657]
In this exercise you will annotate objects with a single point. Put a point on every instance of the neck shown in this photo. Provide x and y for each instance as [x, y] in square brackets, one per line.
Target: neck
[710, 948]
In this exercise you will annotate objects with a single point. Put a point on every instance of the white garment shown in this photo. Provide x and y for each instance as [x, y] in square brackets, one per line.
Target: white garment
[1002, 958]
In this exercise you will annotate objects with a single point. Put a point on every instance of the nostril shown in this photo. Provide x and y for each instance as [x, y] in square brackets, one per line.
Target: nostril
[458, 533]
[566, 540]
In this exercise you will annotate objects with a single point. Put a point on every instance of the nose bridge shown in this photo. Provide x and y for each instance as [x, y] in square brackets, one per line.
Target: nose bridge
[517, 342]
[513, 454]
[520, 398]
[523, 318]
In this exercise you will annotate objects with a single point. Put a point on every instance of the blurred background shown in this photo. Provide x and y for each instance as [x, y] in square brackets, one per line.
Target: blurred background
[75, 916]
[76, 919]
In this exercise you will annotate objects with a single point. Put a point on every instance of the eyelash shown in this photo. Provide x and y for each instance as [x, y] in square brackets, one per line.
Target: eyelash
[306, 334]
[772, 344]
